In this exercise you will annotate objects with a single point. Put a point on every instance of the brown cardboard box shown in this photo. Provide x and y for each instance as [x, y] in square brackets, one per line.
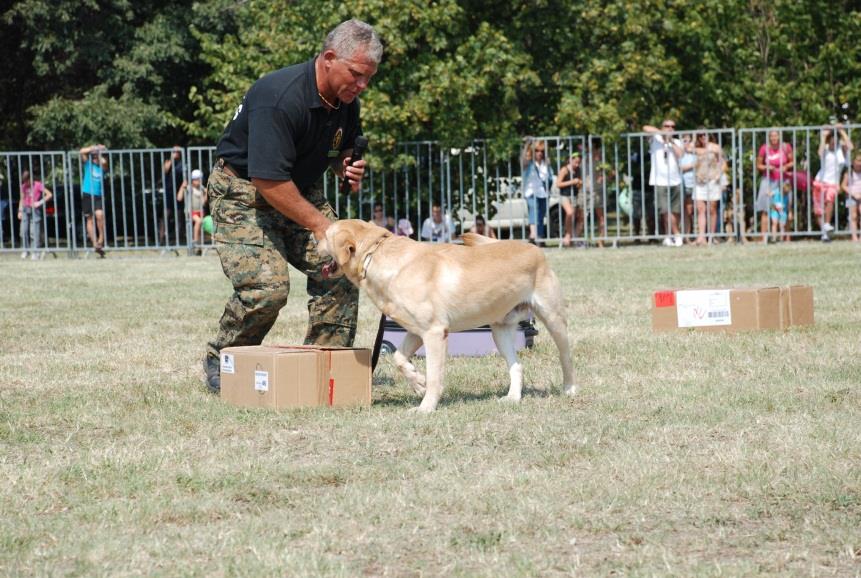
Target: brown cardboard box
[732, 309]
[280, 376]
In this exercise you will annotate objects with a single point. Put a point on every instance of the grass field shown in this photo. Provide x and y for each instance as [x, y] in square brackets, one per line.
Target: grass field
[684, 454]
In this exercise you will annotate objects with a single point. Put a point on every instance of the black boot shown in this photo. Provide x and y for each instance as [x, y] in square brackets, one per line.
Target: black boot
[212, 367]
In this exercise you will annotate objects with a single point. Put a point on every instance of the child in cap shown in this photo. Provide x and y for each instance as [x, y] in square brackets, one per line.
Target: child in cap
[196, 200]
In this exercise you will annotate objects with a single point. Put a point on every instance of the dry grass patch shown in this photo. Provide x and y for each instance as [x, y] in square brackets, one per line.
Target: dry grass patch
[684, 454]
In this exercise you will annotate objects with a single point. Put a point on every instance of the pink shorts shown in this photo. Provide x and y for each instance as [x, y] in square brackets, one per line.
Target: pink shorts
[820, 188]
[198, 214]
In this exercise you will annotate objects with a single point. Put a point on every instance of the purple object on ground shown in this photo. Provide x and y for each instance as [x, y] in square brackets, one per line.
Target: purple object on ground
[471, 343]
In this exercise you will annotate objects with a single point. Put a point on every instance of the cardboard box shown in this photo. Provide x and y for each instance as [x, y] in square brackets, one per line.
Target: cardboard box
[281, 376]
[732, 309]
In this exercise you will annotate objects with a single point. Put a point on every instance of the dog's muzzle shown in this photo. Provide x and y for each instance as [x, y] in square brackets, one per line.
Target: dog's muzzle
[329, 269]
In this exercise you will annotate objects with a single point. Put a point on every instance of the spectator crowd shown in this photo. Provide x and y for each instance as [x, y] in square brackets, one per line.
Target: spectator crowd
[677, 189]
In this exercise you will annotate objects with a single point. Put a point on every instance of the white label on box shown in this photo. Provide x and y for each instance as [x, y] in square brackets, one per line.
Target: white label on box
[703, 308]
[227, 363]
[261, 380]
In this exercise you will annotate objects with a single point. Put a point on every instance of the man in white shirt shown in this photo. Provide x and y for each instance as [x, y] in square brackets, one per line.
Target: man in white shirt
[665, 177]
[436, 229]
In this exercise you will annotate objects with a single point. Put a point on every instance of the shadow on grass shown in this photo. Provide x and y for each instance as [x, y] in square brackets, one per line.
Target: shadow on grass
[404, 397]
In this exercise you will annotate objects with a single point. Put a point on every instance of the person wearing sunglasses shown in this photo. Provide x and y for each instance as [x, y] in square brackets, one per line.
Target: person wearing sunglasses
[537, 182]
[665, 177]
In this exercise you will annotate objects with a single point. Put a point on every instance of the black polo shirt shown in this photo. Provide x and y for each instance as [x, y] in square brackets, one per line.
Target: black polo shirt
[281, 131]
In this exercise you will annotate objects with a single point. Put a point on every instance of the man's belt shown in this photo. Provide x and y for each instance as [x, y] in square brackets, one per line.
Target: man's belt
[227, 169]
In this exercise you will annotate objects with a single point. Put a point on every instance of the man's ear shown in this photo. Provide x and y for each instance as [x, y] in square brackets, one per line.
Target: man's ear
[329, 57]
[344, 247]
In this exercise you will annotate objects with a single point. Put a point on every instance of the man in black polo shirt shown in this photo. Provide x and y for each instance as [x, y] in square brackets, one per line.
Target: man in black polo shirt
[267, 206]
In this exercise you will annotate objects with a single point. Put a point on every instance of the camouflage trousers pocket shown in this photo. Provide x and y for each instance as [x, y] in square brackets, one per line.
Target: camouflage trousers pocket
[238, 233]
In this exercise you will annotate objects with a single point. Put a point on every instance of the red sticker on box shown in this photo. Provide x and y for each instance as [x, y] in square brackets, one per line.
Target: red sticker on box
[665, 298]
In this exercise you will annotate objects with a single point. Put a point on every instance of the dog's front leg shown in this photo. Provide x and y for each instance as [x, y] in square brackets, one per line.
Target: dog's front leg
[402, 357]
[436, 341]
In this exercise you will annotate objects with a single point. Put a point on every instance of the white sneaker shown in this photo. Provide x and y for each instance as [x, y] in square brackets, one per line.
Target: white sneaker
[668, 242]
[24, 255]
[827, 227]
[34, 257]
[678, 241]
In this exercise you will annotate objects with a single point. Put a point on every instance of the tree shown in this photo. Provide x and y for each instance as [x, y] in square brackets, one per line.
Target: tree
[157, 72]
[440, 79]
[85, 61]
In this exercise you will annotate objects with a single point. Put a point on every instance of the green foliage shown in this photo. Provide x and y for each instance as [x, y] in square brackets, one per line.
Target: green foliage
[125, 66]
[453, 70]
[120, 123]
[439, 79]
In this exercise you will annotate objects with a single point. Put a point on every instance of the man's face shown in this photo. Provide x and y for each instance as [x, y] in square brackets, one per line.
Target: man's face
[436, 213]
[349, 77]
[669, 125]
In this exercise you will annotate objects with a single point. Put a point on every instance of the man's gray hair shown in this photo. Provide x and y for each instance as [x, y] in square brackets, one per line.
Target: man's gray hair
[349, 36]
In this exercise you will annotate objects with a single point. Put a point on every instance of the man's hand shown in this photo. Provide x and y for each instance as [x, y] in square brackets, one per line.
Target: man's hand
[320, 232]
[354, 173]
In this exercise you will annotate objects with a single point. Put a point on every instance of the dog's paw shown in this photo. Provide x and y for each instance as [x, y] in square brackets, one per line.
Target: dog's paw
[421, 409]
[419, 388]
[570, 390]
[508, 399]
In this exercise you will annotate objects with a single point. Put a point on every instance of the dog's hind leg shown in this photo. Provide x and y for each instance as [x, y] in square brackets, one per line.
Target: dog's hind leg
[504, 336]
[402, 357]
[436, 343]
[548, 306]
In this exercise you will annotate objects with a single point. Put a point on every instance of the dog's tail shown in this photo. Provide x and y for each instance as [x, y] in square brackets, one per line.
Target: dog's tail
[473, 239]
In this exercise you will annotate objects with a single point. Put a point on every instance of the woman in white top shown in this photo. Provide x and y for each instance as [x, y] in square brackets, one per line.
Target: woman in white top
[537, 181]
[827, 180]
[852, 187]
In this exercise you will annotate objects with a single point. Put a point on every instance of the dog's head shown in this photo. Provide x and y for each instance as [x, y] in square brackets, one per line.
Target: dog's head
[346, 242]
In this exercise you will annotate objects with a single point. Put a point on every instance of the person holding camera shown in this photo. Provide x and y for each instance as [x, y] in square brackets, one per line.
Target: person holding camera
[666, 177]
[826, 184]
[93, 172]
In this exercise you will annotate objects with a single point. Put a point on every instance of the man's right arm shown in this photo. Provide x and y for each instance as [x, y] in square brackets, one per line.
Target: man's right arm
[285, 197]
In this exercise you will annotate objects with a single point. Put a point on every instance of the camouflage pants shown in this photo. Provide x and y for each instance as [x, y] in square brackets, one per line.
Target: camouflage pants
[255, 243]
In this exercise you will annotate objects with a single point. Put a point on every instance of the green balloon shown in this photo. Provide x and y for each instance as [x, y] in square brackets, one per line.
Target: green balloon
[207, 224]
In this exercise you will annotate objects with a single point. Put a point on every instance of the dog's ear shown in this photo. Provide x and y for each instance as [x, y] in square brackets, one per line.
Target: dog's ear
[344, 247]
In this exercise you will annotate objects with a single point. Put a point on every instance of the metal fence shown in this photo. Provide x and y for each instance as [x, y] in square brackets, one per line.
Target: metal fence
[618, 200]
[798, 181]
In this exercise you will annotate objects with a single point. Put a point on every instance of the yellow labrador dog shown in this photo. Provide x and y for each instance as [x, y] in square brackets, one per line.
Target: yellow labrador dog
[434, 289]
